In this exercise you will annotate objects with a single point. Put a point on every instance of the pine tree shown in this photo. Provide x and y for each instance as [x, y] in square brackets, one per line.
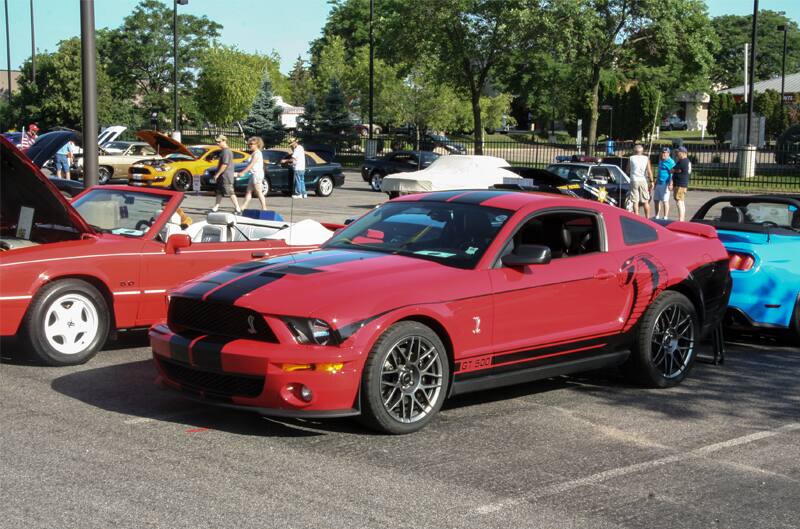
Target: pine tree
[335, 116]
[300, 83]
[264, 118]
[310, 119]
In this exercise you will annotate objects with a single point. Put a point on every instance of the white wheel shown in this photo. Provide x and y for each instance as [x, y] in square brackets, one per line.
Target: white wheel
[71, 323]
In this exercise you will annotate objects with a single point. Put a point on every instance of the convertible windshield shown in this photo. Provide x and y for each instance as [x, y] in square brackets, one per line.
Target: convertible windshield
[754, 213]
[125, 213]
[451, 234]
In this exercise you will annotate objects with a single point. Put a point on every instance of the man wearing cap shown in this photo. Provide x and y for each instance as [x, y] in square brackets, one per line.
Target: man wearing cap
[224, 175]
[642, 180]
[681, 174]
[663, 184]
[299, 165]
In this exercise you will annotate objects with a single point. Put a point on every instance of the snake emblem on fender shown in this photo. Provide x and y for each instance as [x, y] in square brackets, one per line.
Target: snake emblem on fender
[648, 277]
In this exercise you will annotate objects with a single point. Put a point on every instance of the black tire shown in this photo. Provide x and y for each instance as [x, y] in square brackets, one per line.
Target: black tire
[375, 180]
[265, 187]
[796, 321]
[670, 324]
[79, 303]
[181, 181]
[104, 174]
[325, 186]
[421, 374]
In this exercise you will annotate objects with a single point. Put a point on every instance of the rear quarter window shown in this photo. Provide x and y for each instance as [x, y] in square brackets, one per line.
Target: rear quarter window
[635, 232]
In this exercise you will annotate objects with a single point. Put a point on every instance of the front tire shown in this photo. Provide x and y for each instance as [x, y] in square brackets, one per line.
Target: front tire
[666, 342]
[67, 323]
[796, 321]
[181, 181]
[325, 186]
[405, 379]
[104, 174]
[375, 180]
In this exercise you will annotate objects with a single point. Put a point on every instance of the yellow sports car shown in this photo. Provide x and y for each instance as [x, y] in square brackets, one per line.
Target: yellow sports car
[180, 163]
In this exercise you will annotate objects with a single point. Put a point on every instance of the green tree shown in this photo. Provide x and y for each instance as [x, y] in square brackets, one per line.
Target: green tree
[138, 54]
[768, 104]
[331, 64]
[56, 97]
[300, 83]
[228, 82]
[660, 41]
[721, 109]
[264, 118]
[734, 31]
[335, 117]
[310, 120]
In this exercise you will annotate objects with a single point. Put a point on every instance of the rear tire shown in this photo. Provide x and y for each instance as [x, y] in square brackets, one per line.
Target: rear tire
[375, 180]
[796, 321]
[181, 181]
[405, 379]
[67, 322]
[666, 340]
[325, 186]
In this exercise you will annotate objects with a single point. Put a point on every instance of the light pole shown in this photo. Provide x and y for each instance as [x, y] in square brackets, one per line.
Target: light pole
[8, 54]
[751, 103]
[372, 67]
[610, 119]
[89, 75]
[785, 29]
[175, 124]
[33, 48]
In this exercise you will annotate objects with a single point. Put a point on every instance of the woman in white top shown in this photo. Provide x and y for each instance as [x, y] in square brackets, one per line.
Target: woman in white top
[256, 166]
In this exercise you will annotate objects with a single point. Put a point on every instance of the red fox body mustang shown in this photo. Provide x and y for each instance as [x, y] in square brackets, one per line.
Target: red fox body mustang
[433, 295]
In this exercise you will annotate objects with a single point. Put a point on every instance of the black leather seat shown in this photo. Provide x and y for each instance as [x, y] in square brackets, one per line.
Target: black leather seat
[732, 215]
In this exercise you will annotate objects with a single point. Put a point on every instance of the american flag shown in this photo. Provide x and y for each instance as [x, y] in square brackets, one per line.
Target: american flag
[27, 139]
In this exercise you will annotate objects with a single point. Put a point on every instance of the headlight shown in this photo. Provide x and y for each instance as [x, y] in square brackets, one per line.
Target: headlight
[165, 168]
[312, 331]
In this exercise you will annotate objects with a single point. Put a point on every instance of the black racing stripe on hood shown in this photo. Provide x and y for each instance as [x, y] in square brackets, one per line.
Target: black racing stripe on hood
[295, 270]
[325, 258]
[207, 352]
[233, 291]
[179, 346]
[479, 197]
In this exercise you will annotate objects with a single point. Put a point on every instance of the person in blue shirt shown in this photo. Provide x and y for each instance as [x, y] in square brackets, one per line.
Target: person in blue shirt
[64, 158]
[663, 184]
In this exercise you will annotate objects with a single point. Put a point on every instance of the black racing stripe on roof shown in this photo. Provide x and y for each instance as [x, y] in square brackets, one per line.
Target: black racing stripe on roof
[479, 197]
[441, 196]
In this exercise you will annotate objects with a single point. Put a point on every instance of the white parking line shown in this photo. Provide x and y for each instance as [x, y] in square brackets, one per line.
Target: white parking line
[559, 488]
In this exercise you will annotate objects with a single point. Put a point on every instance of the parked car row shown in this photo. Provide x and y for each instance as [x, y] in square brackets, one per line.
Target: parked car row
[447, 292]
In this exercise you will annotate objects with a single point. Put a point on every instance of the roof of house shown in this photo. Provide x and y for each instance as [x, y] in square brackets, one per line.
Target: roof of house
[792, 85]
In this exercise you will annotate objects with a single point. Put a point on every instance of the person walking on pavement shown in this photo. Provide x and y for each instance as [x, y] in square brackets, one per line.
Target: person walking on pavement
[299, 165]
[64, 157]
[641, 180]
[681, 174]
[256, 167]
[663, 184]
[224, 175]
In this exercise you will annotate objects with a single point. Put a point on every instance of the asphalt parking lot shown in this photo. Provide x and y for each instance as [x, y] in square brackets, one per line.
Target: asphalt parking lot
[100, 445]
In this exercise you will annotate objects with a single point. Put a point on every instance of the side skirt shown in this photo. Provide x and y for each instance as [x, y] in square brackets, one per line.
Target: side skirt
[530, 374]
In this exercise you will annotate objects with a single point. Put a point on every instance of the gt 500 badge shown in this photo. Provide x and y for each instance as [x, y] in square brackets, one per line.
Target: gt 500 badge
[476, 363]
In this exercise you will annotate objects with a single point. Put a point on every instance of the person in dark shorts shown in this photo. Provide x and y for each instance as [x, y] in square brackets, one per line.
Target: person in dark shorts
[224, 175]
[681, 174]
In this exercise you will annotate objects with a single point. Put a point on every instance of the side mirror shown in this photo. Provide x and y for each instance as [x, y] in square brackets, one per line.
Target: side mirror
[527, 254]
[177, 241]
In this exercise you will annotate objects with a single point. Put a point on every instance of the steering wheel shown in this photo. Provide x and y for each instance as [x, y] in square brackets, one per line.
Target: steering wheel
[769, 224]
[144, 225]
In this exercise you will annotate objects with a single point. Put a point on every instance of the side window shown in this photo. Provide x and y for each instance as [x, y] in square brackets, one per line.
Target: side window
[402, 158]
[239, 155]
[635, 232]
[214, 156]
[310, 161]
[567, 234]
[599, 171]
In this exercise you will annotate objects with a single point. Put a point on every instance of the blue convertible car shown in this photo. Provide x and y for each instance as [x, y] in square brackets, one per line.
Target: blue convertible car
[762, 236]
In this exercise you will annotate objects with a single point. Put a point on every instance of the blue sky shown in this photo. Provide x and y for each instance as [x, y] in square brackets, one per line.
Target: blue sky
[251, 25]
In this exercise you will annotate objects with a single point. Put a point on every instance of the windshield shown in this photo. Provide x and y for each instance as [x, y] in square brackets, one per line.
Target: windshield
[755, 214]
[127, 213]
[117, 145]
[451, 234]
[177, 156]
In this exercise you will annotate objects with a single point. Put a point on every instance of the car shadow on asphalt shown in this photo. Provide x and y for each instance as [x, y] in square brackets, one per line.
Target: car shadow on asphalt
[131, 389]
[14, 351]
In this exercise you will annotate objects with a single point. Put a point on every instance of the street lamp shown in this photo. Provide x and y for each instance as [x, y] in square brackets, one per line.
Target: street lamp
[175, 125]
[785, 29]
[372, 67]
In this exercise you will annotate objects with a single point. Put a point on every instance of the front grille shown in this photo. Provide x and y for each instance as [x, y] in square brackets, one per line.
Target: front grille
[138, 170]
[186, 314]
[214, 384]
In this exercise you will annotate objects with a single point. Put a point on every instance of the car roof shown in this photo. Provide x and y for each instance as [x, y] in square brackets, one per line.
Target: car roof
[499, 198]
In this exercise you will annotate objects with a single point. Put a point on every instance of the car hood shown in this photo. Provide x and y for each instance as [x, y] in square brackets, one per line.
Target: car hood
[320, 284]
[24, 184]
[47, 144]
[163, 144]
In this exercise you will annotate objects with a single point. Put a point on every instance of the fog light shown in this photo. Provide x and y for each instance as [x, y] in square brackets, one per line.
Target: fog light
[330, 368]
[305, 393]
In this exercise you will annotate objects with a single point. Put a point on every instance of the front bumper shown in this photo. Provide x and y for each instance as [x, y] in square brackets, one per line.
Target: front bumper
[253, 374]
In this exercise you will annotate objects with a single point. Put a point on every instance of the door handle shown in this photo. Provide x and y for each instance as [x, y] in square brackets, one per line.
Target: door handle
[604, 274]
[258, 255]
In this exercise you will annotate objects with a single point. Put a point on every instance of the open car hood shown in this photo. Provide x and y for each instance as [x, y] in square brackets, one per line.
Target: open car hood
[24, 184]
[163, 144]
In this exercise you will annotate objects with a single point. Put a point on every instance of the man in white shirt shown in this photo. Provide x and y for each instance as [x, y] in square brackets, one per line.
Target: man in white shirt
[299, 164]
[641, 180]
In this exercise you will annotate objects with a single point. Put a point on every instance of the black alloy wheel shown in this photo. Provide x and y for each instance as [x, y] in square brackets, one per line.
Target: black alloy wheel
[181, 181]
